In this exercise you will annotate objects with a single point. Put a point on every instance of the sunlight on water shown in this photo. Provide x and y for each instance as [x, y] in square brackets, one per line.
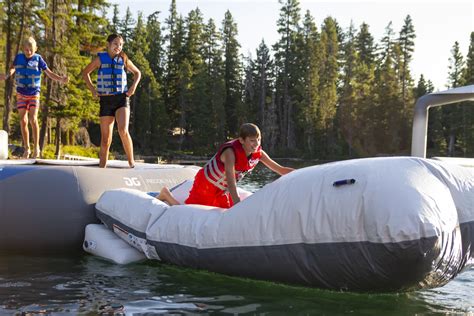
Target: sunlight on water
[457, 294]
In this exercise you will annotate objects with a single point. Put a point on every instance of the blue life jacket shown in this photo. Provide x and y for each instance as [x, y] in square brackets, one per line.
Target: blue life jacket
[27, 72]
[112, 78]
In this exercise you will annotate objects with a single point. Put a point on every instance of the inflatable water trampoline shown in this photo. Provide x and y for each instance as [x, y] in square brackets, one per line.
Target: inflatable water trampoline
[46, 204]
[377, 224]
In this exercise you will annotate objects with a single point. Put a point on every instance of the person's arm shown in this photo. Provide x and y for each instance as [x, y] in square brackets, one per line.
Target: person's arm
[56, 77]
[137, 75]
[87, 78]
[228, 158]
[274, 166]
[10, 73]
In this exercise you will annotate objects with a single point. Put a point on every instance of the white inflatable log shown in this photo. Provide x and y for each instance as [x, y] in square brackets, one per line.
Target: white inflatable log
[102, 242]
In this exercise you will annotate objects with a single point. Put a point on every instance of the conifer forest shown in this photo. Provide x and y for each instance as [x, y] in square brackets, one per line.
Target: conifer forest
[321, 91]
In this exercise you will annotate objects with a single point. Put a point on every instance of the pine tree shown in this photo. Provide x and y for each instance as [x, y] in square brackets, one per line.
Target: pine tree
[309, 105]
[127, 25]
[232, 75]
[174, 39]
[193, 45]
[249, 99]
[327, 86]
[469, 70]
[456, 64]
[2, 57]
[263, 86]
[388, 109]
[85, 37]
[155, 54]
[141, 103]
[406, 42]
[9, 16]
[469, 106]
[114, 26]
[195, 106]
[422, 88]
[55, 103]
[436, 143]
[286, 67]
[363, 119]
[159, 121]
[365, 45]
[453, 114]
[192, 100]
[348, 95]
[215, 131]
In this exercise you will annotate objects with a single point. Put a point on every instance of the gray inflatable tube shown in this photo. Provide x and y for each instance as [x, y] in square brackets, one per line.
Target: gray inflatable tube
[378, 224]
[45, 207]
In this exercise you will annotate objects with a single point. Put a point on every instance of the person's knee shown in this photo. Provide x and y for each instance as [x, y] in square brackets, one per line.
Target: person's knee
[123, 132]
[106, 141]
[24, 120]
[33, 121]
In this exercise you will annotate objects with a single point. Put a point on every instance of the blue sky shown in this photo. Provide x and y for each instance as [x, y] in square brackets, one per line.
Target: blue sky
[438, 24]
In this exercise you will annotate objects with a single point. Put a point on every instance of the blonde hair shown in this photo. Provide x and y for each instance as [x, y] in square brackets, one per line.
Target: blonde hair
[249, 130]
[30, 41]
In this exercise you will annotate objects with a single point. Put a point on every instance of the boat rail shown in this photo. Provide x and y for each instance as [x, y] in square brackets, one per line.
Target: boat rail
[420, 119]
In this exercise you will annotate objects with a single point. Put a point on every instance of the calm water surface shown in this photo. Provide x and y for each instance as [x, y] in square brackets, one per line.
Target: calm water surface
[86, 285]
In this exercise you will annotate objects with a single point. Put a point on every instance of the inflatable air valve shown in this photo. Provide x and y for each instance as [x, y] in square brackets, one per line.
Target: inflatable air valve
[342, 182]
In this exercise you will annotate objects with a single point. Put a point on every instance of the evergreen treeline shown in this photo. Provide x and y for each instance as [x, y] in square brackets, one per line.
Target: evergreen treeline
[319, 91]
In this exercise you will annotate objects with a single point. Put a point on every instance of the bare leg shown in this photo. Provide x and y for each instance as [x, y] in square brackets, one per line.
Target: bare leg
[106, 129]
[167, 196]
[123, 117]
[24, 131]
[33, 117]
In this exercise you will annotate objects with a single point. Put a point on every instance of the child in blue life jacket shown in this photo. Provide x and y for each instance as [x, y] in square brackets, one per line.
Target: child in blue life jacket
[28, 67]
[114, 96]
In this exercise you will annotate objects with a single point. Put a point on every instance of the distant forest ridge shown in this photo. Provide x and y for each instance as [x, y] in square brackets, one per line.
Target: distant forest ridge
[321, 91]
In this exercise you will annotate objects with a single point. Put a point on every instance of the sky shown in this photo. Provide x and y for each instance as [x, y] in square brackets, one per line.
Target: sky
[438, 23]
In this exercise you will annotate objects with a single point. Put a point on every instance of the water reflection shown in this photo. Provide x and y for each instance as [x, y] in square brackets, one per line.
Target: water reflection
[86, 284]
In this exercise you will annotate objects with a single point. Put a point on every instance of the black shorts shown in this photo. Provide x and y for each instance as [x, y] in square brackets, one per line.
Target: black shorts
[109, 104]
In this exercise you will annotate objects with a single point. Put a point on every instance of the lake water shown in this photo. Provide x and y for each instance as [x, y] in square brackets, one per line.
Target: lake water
[84, 284]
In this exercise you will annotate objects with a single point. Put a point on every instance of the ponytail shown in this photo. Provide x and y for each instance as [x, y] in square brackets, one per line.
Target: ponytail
[124, 58]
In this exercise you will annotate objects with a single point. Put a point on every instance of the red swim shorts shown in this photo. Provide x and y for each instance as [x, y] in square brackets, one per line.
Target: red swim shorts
[27, 101]
[205, 193]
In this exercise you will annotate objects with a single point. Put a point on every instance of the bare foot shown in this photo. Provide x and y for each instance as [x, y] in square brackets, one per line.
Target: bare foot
[36, 153]
[26, 153]
[166, 196]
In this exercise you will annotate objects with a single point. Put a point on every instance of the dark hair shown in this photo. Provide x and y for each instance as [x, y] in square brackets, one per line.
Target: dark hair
[124, 56]
[111, 37]
[249, 130]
